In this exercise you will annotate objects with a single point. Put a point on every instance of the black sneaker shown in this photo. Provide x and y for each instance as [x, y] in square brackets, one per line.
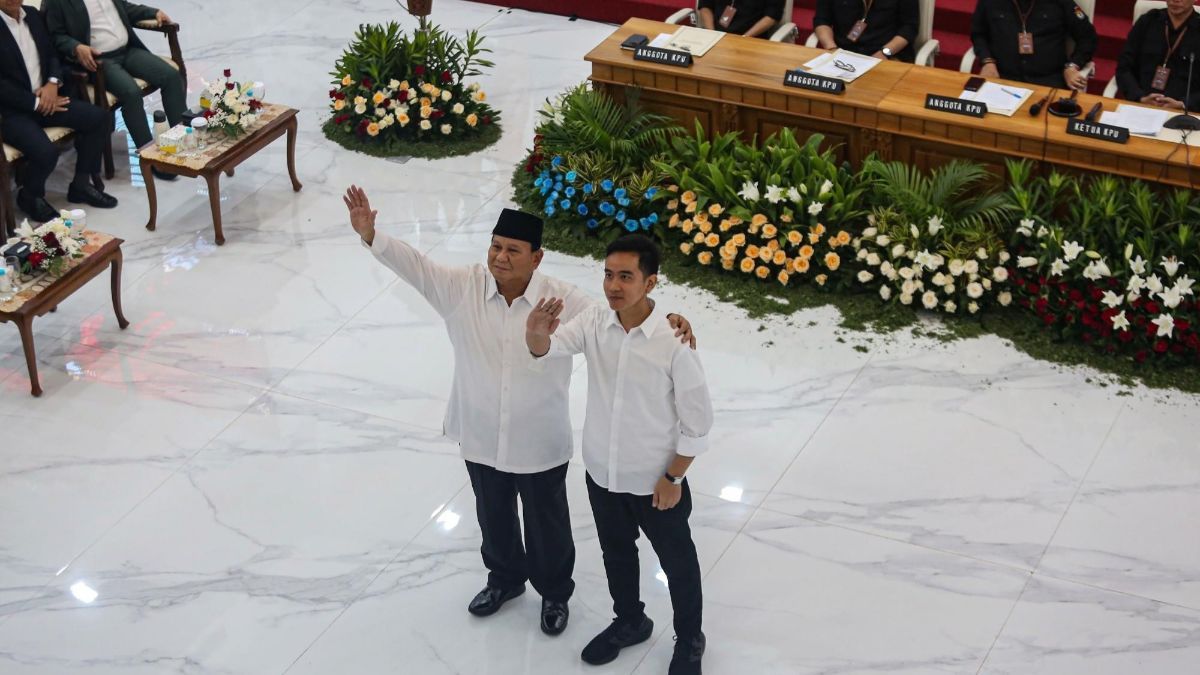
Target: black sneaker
[688, 653]
[605, 647]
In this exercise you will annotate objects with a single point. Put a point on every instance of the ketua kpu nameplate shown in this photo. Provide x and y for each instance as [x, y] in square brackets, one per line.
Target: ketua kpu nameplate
[1098, 131]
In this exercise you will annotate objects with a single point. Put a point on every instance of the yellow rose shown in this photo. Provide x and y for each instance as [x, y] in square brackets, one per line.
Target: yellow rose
[806, 251]
[691, 208]
[728, 252]
[779, 258]
[800, 265]
[813, 237]
[687, 197]
[758, 220]
[752, 251]
[795, 238]
[378, 97]
[472, 119]
[426, 112]
[762, 272]
[358, 100]
[821, 278]
[712, 240]
[372, 129]
[773, 244]
[739, 239]
[686, 247]
[765, 254]
[727, 265]
[715, 209]
[747, 265]
[769, 231]
[479, 97]
[404, 84]
[687, 226]
[704, 257]
[785, 218]
[699, 238]
[724, 226]
[753, 228]
[818, 229]
[782, 277]
[843, 237]
[425, 102]
[735, 221]
[833, 242]
[674, 221]
[704, 226]
[338, 105]
[701, 217]
[673, 204]
[672, 188]
[402, 119]
[347, 81]
[832, 261]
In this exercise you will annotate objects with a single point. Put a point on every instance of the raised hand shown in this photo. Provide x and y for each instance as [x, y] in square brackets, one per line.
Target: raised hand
[543, 320]
[362, 218]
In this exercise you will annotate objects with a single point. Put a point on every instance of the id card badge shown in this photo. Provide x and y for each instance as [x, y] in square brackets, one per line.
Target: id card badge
[727, 16]
[1161, 75]
[857, 30]
[1025, 43]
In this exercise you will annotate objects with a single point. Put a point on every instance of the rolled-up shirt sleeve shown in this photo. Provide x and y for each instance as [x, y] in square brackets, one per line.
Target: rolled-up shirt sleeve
[693, 405]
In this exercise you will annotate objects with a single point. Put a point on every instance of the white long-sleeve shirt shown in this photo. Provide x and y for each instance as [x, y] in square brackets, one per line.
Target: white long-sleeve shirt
[108, 32]
[502, 412]
[647, 397]
[27, 46]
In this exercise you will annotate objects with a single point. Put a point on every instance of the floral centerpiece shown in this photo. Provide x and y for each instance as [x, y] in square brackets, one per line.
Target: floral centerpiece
[53, 245]
[393, 90]
[229, 106]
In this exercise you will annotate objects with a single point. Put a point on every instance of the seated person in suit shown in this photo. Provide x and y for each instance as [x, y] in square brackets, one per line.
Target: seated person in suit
[752, 18]
[31, 78]
[1026, 40]
[1153, 67]
[884, 29]
[99, 34]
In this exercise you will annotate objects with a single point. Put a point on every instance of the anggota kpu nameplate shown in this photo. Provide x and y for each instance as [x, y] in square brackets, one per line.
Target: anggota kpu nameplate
[1098, 131]
[803, 80]
[666, 57]
[956, 106]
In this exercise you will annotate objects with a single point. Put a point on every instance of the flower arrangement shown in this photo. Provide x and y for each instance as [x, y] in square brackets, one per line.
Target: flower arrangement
[392, 89]
[53, 244]
[598, 203]
[229, 106]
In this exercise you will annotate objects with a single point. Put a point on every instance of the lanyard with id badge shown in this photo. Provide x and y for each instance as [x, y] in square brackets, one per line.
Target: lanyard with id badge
[1163, 73]
[860, 26]
[727, 15]
[1024, 38]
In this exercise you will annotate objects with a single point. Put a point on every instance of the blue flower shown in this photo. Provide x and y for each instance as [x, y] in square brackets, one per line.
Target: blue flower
[566, 204]
[620, 193]
[571, 176]
[646, 223]
[554, 195]
[588, 189]
[623, 201]
[582, 209]
[570, 191]
[538, 182]
[592, 224]
[607, 185]
[558, 185]
[651, 192]
[631, 225]
[556, 161]
[653, 218]
[549, 210]
[607, 209]
[620, 216]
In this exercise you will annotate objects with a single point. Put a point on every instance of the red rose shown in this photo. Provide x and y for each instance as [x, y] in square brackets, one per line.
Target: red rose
[333, 93]
[229, 86]
[341, 119]
[228, 72]
[1151, 307]
[419, 71]
[208, 114]
[436, 115]
[1161, 346]
[446, 77]
[36, 259]
[1125, 336]
[366, 82]
[1034, 289]
[1182, 325]
[403, 96]
[1141, 356]
[487, 119]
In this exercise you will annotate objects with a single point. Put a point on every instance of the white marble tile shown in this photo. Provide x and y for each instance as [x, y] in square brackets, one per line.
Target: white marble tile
[415, 613]
[1133, 527]
[240, 560]
[1061, 628]
[794, 596]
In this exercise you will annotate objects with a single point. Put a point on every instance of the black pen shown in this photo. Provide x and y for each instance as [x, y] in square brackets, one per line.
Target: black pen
[1095, 111]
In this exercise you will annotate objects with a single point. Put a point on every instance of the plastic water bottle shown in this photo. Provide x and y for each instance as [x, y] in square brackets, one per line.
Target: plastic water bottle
[189, 141]
[5, 284]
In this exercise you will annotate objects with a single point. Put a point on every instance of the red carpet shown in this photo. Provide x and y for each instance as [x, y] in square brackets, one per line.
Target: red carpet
[952, 24]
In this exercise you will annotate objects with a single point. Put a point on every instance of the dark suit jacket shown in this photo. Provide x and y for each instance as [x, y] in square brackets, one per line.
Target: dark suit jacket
[71, 26]
[16, 91]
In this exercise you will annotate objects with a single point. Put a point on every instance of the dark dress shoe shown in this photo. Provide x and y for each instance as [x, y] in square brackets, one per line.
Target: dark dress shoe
[87, 194]
[37, 208]
[488, 601]
[606, 646]
[688, 653]
[163, 175]
[554, 617]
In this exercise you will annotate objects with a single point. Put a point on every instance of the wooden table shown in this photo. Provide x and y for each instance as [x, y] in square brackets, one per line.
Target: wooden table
[45, 294]
[221, 158]
[738, 85]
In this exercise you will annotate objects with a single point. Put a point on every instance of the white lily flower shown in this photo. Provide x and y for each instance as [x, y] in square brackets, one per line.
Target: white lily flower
[815, 208]
[1154, 284]
[1171, 265]
[981, 253]
[1042, 232]
[1135, 284]
[1026, 261]
[794, 195]
[774, 194]
[1128, 251]
[1171, 297]
[862, 254]
[1119, 321]
[1138, 266]
[749, 192]
[870, 233]
[935, 224]
[1026, 227]
[1071, 250]
[1184, 284]
[1111, 299]
[1057, 267]
[1166, 325]
[915, 232]
[1096, 270]
[898, 250]
[803, 189]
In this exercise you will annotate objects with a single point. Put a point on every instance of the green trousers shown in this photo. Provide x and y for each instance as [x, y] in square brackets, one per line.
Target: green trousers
[121, 68]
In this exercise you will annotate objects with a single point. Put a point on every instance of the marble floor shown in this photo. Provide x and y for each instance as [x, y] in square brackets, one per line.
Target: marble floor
[251, 478]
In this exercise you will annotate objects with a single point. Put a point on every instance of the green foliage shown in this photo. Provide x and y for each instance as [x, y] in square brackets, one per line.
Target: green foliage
[583, 121]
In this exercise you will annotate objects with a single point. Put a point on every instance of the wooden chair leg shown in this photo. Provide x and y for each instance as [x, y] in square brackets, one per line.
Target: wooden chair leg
[109, 169]
[7, 205]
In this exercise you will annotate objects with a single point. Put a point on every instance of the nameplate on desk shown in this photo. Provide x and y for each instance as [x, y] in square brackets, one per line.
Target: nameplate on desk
[803, 80]
[956, 106]
[666, 57]
[1098, 131]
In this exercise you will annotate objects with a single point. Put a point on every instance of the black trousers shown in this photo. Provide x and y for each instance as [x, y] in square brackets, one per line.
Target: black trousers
[23, 131]
[547, 558]
[619, 516]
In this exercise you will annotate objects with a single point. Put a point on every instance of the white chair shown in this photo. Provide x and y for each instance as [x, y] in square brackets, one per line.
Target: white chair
[784, 31]
[1088, 6]
[1139, 9]
[927, 48]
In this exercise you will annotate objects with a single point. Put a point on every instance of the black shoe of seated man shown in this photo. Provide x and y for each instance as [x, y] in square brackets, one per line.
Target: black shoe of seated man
[605, 647]
[86, 194]
[37, 208]
[554, 617]
[688, 653]
[488, 601]
[163, 175]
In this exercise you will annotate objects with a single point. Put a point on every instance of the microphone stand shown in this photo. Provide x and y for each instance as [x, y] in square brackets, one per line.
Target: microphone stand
[1185, 121]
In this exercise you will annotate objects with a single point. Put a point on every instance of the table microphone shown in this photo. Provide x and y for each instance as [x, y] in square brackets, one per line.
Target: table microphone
[1037, 107]
[1185, 121]
[1066, 107]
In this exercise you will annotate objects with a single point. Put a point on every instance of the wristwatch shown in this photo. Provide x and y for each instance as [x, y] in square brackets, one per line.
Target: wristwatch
[673, 479]
[887, 51]
[54, 81]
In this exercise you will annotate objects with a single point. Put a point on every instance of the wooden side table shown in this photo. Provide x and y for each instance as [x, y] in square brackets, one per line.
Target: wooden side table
[219, 158]
[45, 295]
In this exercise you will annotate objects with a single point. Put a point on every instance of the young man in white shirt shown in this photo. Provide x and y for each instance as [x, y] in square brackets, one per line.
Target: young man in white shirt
[648, 417]
[511, 421]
